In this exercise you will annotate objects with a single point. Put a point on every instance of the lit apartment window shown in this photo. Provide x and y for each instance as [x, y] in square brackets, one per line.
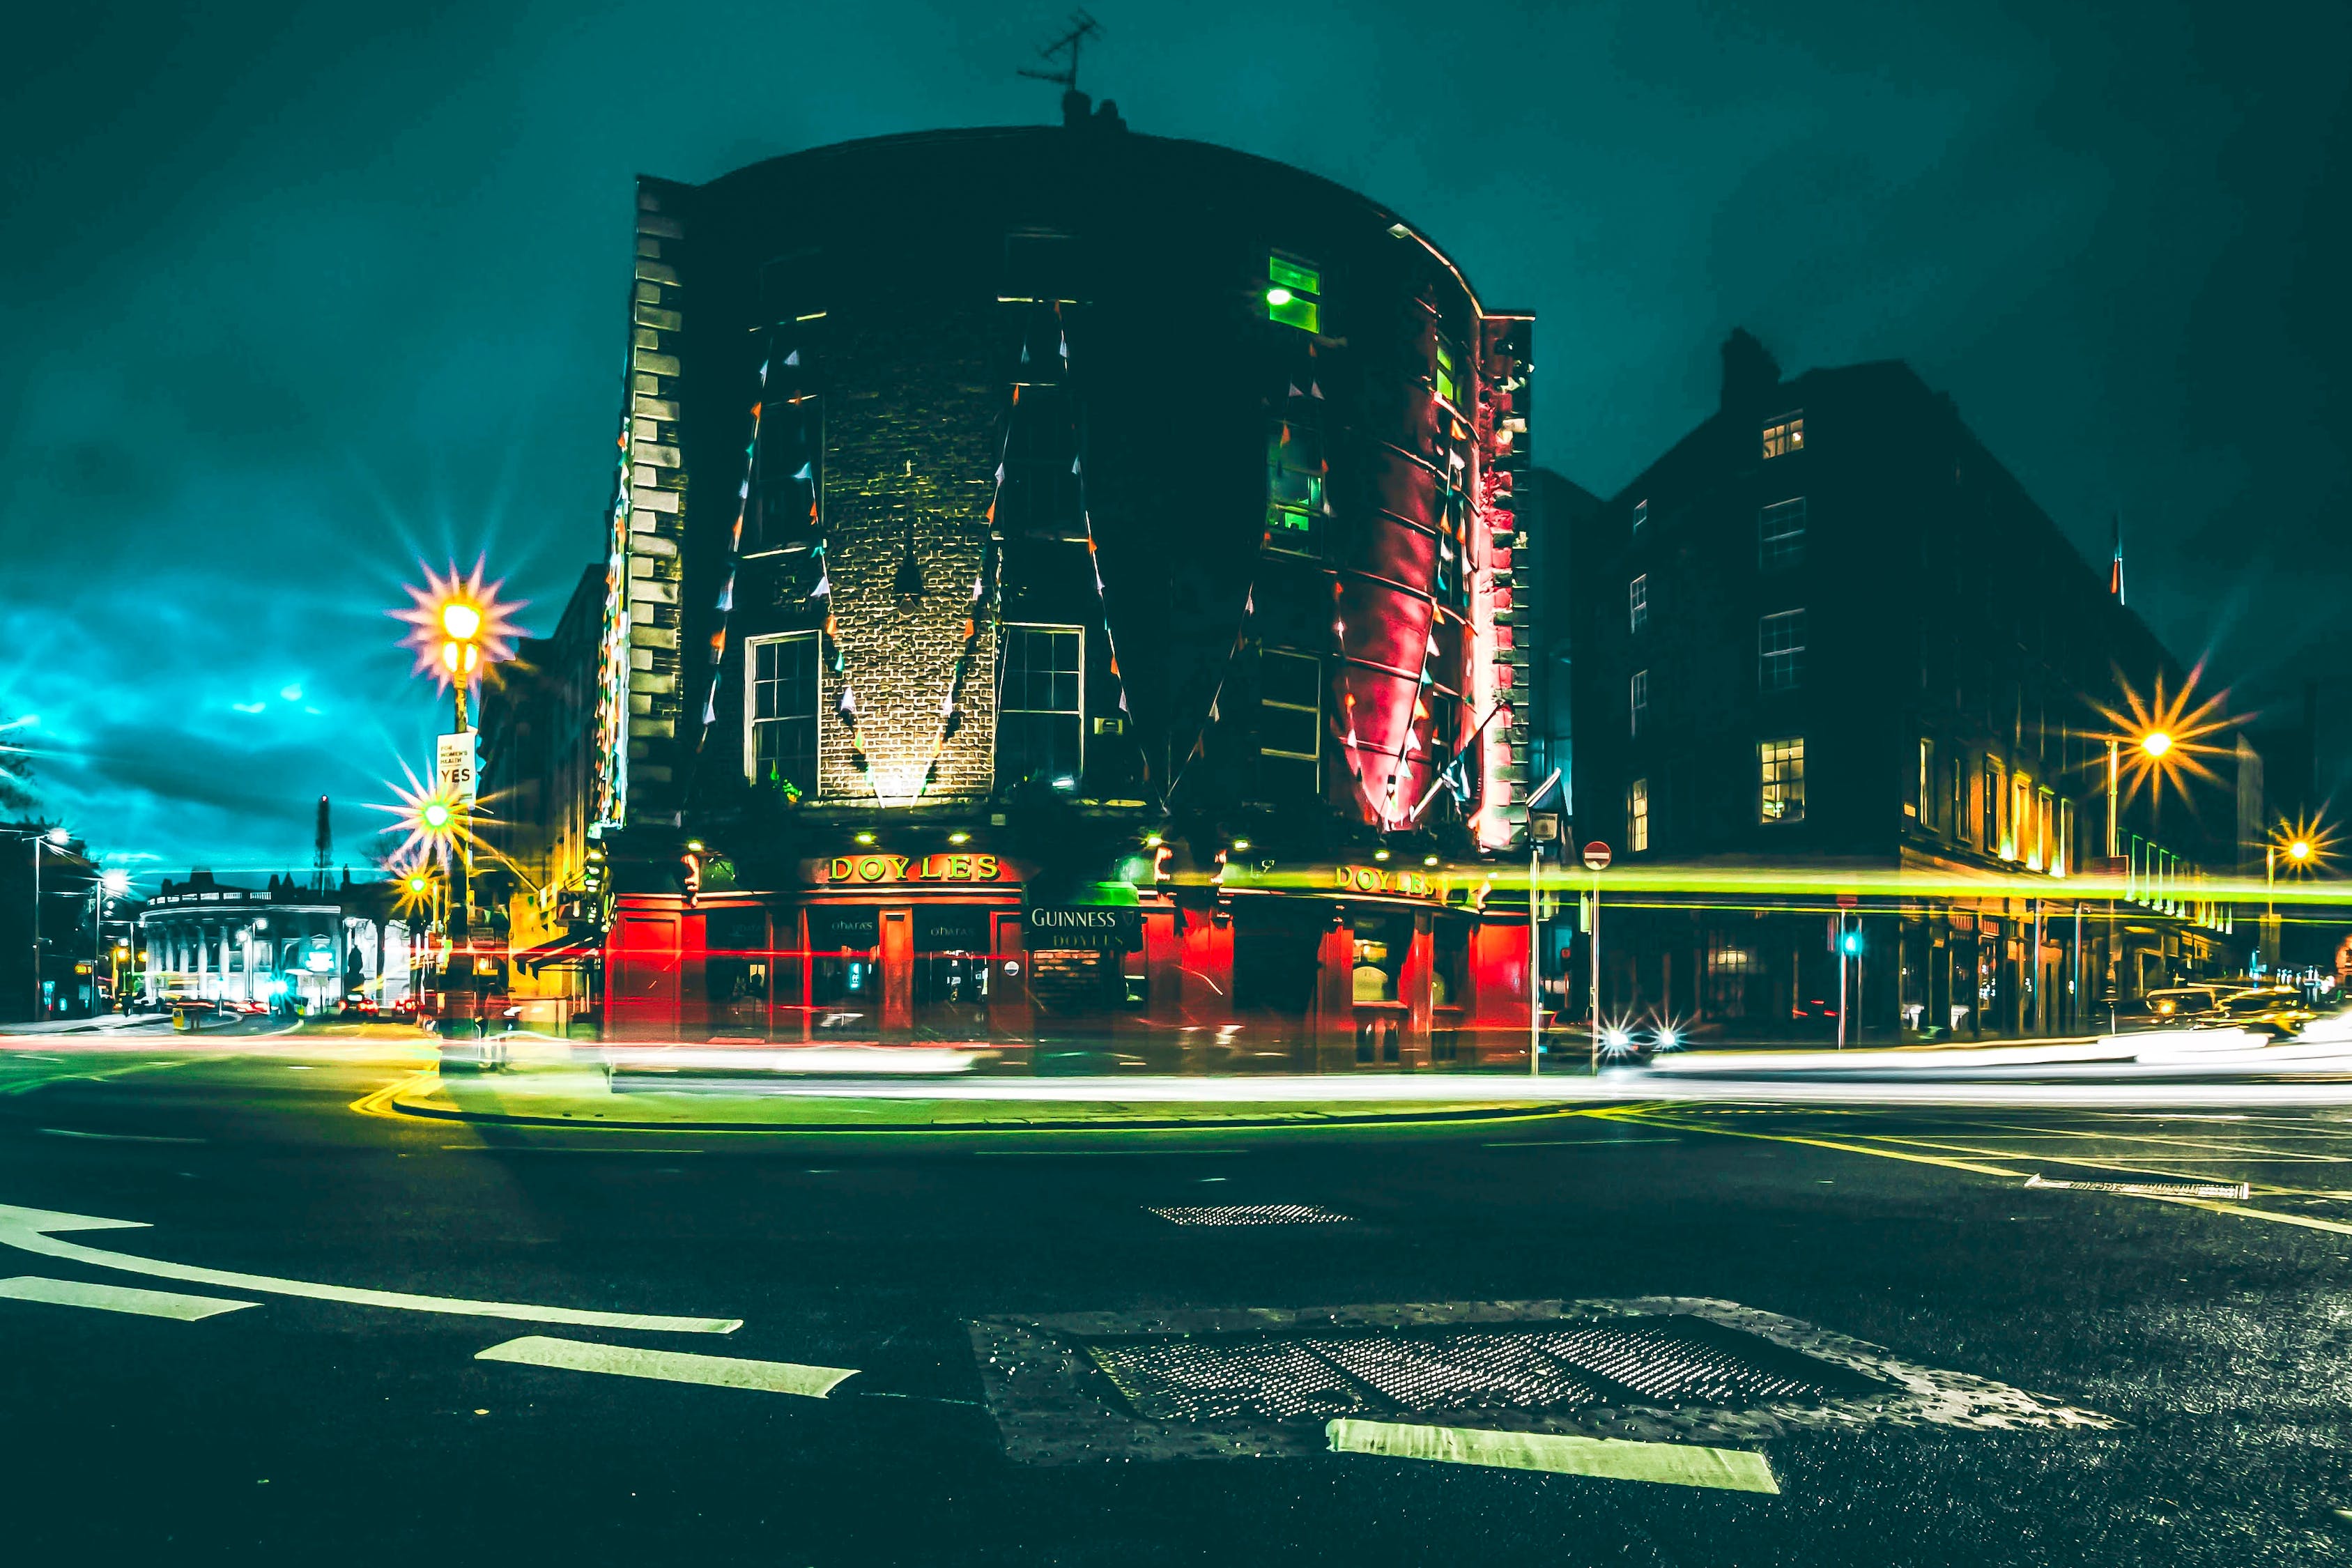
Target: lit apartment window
[1289, 721]
[1918, 799]
[2045, 832]
[1784, 435]
[1040, 698]
[1780, 534]
[1641, 517]
[1637, 699]
[2018, 843]
[1781, 769]
[780, 713]
[1637, 602]
[1637, 816]
[1446, 377]
[1294, 294]
[2065, 865]
[1780, 650]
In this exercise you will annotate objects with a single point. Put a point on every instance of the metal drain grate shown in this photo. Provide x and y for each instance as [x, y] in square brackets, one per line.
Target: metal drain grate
[1460, 1371]
[1683, 1361]
[2155, 1189]
[1208, 1380]
[1662, 1361]
[1249, 1214]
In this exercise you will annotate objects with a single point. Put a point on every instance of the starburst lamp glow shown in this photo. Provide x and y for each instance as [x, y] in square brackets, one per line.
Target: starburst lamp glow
[431, 821]
[458, 625]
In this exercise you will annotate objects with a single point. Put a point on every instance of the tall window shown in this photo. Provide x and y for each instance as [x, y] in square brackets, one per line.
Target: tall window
[1294, 470]
[1637, 701]
[1637, 816]
[1289, 721]
[1446, 375]
[1995, 816]
[1780, 534]
[1784, 435]
[1040, 698]
[1637, 602]
[1781, 769]
[1641, 517]
[1294, 294]
[2065, 865]
[791, 459]
[780, 713]
[1780, 650]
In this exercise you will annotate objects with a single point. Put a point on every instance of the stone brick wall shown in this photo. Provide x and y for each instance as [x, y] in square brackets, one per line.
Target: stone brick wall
[657, 500]
[911, 430]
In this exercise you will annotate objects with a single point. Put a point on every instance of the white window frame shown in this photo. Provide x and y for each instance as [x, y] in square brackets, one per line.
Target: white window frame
[1315, 756]
[1637, 816]
[751, 647]
[1777, 551]
[1080, 632]
[1637, 701]
[1792, 653]
[1637, 604]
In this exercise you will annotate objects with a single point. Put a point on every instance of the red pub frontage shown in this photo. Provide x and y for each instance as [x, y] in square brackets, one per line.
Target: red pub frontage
[1314, 970]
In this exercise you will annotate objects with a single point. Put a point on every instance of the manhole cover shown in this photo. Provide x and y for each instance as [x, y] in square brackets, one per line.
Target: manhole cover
[1247, 1213]
[1093, 1386]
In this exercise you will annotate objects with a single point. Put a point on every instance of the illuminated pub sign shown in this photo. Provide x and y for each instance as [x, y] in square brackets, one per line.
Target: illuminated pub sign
[1380, 879]
[888, 868]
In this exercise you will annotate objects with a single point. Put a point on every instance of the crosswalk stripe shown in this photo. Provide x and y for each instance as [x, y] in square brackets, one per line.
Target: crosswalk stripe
[670, 1366]
[118, 1298]
[1611, 1459]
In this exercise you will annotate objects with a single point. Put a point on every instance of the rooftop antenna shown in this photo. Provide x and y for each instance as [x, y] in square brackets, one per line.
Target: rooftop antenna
[1082, 27]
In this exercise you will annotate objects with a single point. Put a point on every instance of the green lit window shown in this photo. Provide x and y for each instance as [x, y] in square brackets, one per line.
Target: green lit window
[1294, 294]
[1447, 380]
[1290, 526]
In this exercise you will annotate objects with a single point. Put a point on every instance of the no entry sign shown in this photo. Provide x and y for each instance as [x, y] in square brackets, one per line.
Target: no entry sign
[1596, 856]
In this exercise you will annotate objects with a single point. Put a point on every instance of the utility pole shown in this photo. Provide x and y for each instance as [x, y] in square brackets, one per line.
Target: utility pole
[1542, 827]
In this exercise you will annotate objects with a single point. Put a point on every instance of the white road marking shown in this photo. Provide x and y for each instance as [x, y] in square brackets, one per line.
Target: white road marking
[554, 1149]
[1574, 1142]
[116, 1298]
[671, 1366]
[28, 1231]
[119, 1137]
[1611, 1459]
[2152, 1189]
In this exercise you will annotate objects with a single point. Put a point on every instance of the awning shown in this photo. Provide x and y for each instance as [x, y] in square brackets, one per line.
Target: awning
[563, 949]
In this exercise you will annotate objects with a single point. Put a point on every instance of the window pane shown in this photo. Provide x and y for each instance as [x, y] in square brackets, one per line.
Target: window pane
[1784, 435]
[1295, 679]
[784, 682]
[1039, 720]
[1295, 276]
[1782, 780]
[1780, 534]
[1780, 650]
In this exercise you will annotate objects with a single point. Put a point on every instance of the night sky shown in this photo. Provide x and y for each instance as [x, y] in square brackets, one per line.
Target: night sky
[295, 296]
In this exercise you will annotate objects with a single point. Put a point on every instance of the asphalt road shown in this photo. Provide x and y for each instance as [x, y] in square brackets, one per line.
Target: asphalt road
[2213, 1332]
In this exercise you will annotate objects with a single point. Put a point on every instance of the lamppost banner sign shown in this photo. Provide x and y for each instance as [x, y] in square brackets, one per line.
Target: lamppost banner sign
[455, 773]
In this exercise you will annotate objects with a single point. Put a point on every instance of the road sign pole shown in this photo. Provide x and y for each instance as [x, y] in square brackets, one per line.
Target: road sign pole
[1596, 857]
[1534, 958]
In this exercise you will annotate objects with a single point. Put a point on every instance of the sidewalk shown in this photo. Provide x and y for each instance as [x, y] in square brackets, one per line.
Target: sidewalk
[104, 1024]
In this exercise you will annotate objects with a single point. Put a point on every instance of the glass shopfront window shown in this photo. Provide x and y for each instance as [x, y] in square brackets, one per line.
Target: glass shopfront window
[950, 980]
[844, 967]
[735, 969]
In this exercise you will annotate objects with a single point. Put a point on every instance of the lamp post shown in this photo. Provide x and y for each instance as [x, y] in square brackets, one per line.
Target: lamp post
[2298, 851]
[53, 839]
[2154, 745]
[1539, 830]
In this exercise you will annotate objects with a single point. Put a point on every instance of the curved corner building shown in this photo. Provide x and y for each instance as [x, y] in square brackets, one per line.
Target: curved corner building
[1023, 521]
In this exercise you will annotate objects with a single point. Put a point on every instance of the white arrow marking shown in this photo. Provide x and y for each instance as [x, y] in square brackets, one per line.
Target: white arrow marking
[116, 1298]
[671, 1366]
[28, 1231]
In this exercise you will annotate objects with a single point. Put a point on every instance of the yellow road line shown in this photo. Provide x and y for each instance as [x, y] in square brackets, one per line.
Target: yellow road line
[1613, 1458]
[2235, 1151]
[2308, 1221]
[379, 1103]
